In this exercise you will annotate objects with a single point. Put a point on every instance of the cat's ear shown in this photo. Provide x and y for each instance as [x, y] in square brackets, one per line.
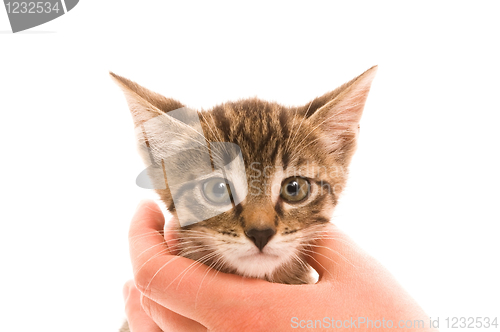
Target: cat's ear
[337, 115]
[143, 103]
[163, 126]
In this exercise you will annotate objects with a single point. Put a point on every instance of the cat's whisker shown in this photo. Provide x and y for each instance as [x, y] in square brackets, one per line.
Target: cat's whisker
[300, 261]
[159, 270]
[154, 246]
[302, 121]
[213, 121]
[185, 252]
[321, 123]
[201, 260]
[187, 249]
[285, 149]
[169, 246]
[303, 118]
[191, 231]
[190, 250]
[314, 259]
[338, 239]
[189, 242]
[304, 147]
[336, 252]
[164, 251]
[161, 232]
[195, 236]
[154, 211]
[213, 265]
[210, 127]
[138, 237]
[341, 240]
[217, 268]
[147, 233]
[198, 263]
[163, 266]
[324, 247]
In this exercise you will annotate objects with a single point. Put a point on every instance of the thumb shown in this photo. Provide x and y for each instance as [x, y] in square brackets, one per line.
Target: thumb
[334, 255]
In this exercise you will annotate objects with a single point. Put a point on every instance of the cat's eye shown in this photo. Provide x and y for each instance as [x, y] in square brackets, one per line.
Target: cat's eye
[217, 191]
[295, 189]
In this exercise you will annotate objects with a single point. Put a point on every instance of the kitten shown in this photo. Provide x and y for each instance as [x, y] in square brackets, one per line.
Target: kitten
[279, 175]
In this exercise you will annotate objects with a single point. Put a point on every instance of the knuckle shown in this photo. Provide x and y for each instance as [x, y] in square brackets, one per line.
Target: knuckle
[146, 305]
[142, 279]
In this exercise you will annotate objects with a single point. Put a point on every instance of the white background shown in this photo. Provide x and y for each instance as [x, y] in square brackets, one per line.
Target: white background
[424, 187]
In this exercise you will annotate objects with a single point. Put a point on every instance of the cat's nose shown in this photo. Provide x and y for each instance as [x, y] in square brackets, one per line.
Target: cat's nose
[260, 236]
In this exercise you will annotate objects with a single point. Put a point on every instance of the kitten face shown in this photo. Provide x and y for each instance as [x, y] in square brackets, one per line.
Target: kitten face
[267, 207]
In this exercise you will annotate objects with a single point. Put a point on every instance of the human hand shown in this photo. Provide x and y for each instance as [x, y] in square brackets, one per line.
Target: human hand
[177, 294]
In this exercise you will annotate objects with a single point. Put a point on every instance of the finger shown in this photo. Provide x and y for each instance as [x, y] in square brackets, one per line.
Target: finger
[138, 320]
[168, 320]
[188, 288]
[146, 234]
[171, 237]
[335, 255]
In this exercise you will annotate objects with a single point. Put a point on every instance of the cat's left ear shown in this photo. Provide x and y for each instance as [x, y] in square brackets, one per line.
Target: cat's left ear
[338, 118]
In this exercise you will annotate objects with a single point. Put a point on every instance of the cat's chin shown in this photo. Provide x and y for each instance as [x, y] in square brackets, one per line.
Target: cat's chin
[260, 255]
[258, 265]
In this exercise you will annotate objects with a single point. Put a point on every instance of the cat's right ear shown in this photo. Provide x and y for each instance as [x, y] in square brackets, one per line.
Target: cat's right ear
[159, 135]
[143, 103]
